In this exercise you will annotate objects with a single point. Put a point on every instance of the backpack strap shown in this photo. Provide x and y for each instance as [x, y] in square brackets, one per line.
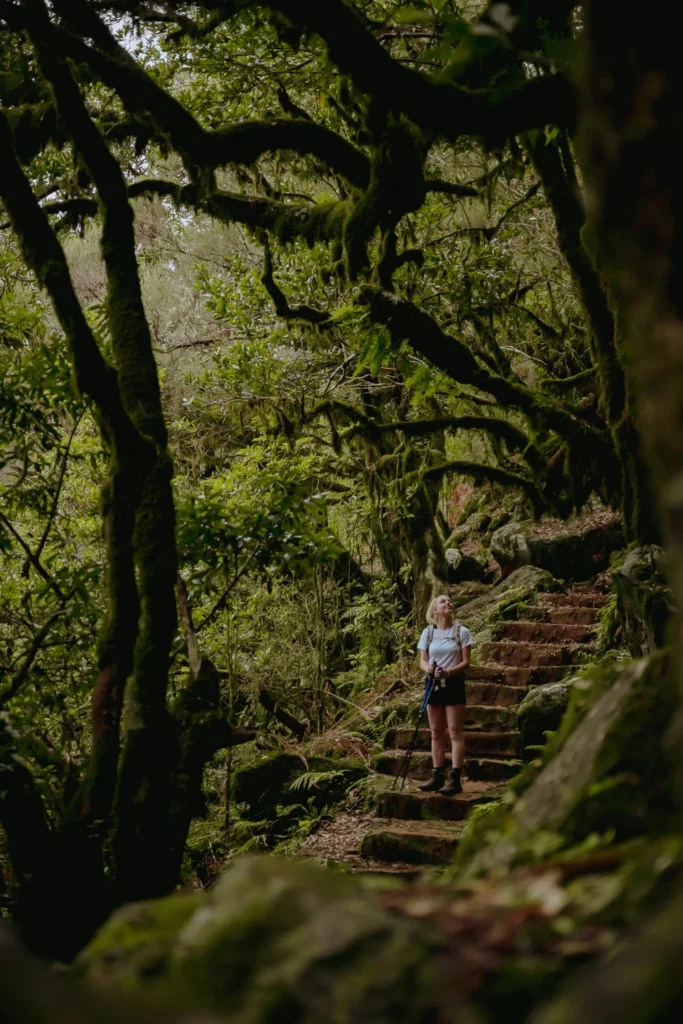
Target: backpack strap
[457, 636]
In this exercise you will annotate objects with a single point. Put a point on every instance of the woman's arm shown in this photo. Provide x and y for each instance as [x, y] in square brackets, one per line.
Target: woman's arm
[424, 662]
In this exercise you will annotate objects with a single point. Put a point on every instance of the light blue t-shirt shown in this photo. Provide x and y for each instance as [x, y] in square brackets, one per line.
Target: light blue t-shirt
[444, 648]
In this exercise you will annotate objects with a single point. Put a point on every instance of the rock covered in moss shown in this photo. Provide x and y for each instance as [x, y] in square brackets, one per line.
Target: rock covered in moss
[520, 586]
[644, 599]
[31, 992]
[463, 567]
[278, 940]
[270, 782]
[137, 941]
[477, 523]
[542, 711]
[510, 545]
[567, 553]
[607, 771]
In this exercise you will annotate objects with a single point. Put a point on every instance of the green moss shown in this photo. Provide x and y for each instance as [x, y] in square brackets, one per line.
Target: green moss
[480, 829]
[278, 941]
[606, 769]
[136, 942]
[478, 613]
[269, 783]
[402, 845]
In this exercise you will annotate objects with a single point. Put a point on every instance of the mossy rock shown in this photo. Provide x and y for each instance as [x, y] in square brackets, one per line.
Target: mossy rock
[463, 567]
[477, 523]
[278, 940]
[644, 599]
[137, 941]
[520, 586]
[607, 770]
[641, 983]
[542, 711]
[568, 554]
[498, 520]
[266, 784]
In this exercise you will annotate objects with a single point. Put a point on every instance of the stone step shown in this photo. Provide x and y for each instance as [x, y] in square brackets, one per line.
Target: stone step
[495, 694]
[477, 741]
[411, 842]
[379, 875]
[542, 632]
[477, 769]
[478, 718]
[517, 676]
[412, 805]
[567, 615]
[490, 769]
[580, 598]
[525, 654]
[487, 716]
[583, 616]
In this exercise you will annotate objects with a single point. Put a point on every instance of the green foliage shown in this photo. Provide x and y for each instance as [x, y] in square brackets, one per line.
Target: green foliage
[312, 780]
[375, 623]
[261, 510]
[539, 748]
[608, 624]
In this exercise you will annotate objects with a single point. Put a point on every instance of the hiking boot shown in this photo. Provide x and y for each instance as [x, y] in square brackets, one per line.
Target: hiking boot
[454, 785]
[436, 781]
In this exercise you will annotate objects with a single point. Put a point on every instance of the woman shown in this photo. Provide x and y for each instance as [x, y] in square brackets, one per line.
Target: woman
[447, 645]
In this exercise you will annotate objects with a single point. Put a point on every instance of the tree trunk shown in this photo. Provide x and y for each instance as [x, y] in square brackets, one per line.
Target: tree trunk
[631, 487]
[633, 128]
[632, 138]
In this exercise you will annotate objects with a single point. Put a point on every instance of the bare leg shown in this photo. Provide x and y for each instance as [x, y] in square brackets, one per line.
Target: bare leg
[437, 724]
[455, 713]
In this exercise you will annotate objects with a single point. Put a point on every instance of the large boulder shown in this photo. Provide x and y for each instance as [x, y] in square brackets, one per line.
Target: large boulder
[644, 600]
[510, 546]
[463, 567]
[276, 940]
[607, 771]
[568, 553]
[479, 613]
[542, 711]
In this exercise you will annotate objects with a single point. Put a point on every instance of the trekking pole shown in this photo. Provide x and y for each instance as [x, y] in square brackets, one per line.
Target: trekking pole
[405, 764]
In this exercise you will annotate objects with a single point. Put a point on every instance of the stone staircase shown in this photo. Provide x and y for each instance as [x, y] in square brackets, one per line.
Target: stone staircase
[549, 641]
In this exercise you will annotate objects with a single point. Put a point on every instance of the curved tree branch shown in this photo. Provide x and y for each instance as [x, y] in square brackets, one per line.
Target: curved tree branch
[439, 108]
[238, 144]
[480, 471]
[369, 427]
[282, 306]
[406, 322]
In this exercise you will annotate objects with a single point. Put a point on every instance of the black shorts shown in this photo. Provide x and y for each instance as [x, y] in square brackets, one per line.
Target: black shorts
[448, 692]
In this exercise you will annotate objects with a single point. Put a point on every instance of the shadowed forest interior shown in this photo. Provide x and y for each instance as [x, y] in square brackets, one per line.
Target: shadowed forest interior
[311, 312]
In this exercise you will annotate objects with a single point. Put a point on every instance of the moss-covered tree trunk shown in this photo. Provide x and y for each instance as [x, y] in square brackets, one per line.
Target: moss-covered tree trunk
[632, 136]
[554, 163]
[633, 128]
[129, 775]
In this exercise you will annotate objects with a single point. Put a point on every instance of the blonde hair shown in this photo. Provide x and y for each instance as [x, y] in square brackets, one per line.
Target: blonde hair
[430, 616]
